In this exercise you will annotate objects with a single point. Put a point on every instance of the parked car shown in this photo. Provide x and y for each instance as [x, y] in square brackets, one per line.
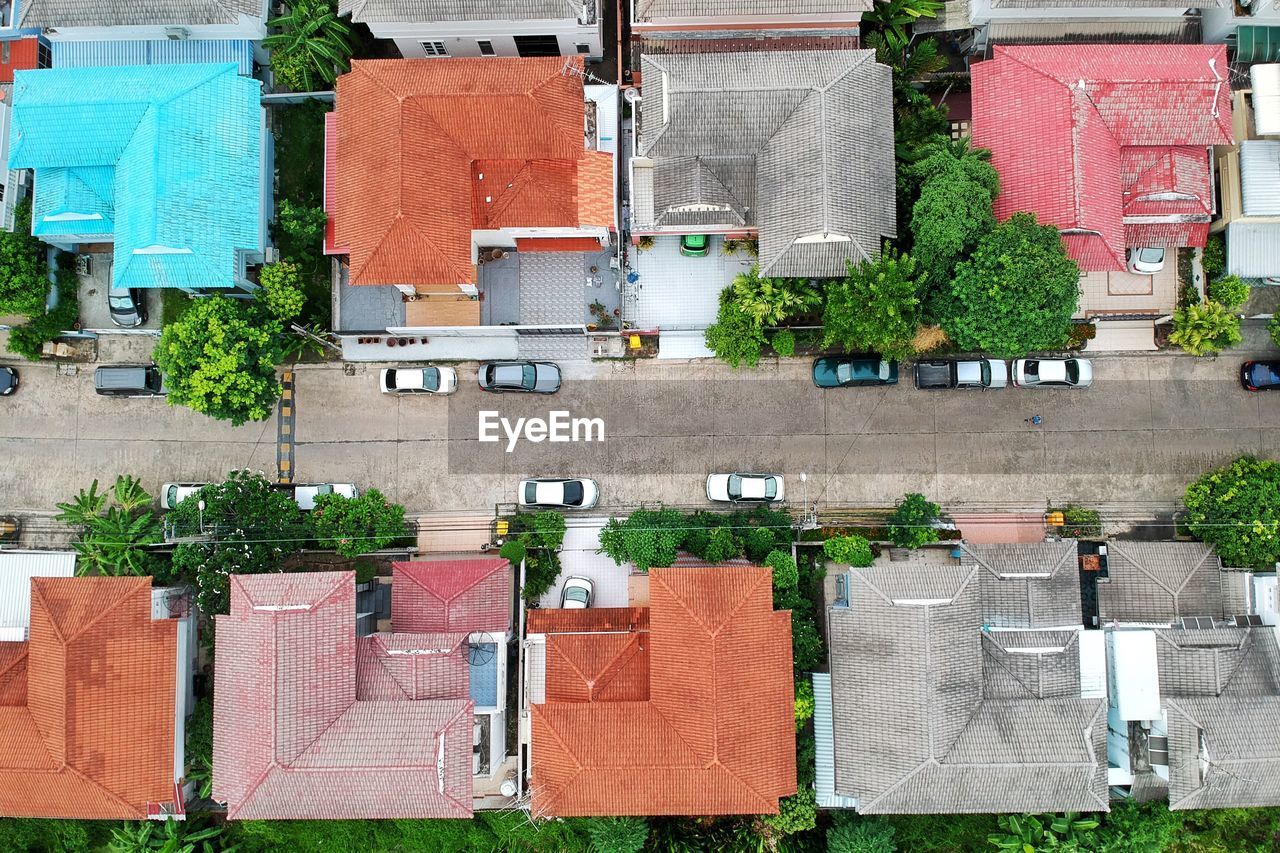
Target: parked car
[172, 494]
[571, 493]
[419, 380]
[129, 380]
[961, 373]
[577, 593]
[745, 488]
[1146, 260]
[695, 245]
[535, 377]
[1260, 375]
[843, 371]
[128, 308]
[305, 494]
[1053, 373]
[8, 381]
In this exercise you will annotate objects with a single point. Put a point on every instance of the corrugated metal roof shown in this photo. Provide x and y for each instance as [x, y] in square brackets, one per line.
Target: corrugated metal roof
[1260, 177]
[1253, 248]
[17, 568]
[825, 735]
[93, 54]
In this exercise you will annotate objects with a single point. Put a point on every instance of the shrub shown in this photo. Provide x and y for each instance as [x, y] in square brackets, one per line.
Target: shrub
[784, 343]
[874, 308]
[1078, 521]
[804, 702]
[1080, 334]
[1274, 328]
[735, 337]
[28, 339]
[281, 291]
[770, 301]
[24, 279]
[617, 834]
[512, 551]
[646, 538]
[1230, 291]
[366, 570]
[543, 529]
[911, 524]
[721, 545]
[354, 526]
[852, 551]
[304, 226]
[1214, 258]
[1205, 329]
[853, 833]
[1236, 509]
[541, 568]
[758, 542]
[785, 572]
[806, 644]
[796, 813]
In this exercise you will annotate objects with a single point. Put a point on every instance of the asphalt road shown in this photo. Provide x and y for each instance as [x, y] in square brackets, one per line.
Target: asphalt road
[1148, 426]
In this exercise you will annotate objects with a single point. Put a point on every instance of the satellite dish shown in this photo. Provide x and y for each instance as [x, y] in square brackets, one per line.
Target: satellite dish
[481, 649]
[508, 787]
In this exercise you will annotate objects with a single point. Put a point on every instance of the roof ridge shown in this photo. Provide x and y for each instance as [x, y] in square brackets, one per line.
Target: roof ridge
[1035, 694]
[94, 783]
[1143, 568]
[611, 670]
[139, 584]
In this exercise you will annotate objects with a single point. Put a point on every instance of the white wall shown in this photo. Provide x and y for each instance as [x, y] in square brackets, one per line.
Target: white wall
[461, 38]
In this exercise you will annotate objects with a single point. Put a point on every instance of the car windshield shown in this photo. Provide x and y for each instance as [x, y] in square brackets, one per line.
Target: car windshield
[1032, 367]
[573, 493]
[530, 376]
[735, 486]
[1265, 373]
[120, 299]
[1073, 372]
[770, 488]
[1151, 255]
[430, 379]
[531, 492]
[172, 496]
[391, 378]
[844, 371]
[575, 593]
[986, 373]
[884, 369]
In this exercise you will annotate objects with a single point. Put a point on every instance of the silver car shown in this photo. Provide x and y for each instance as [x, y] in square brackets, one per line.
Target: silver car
[128, 307]
[530, 377]
[1053, 373]
[745, 488]
[418, 380]
[563, 493]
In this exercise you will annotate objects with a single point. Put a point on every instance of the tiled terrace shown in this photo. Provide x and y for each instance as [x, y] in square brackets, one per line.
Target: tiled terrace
[546, 288]
[1125, 293]
[672, 291]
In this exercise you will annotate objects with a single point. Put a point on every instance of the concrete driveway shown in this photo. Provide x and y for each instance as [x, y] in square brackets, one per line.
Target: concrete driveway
[1148, 426]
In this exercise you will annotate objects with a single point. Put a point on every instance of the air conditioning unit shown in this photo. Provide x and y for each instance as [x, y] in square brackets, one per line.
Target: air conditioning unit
[271, 255]
[177, 33]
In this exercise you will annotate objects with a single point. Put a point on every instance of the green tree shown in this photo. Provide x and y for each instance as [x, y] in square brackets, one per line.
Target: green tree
[247, 527]
[117, 529]
[1230, 291]
[513, 551]
[646, 538]
[24, 273]
[28, 339]
[796, 813]
[1215, 257]
[354, 526]
[875, 307]
[1236, 509]
[1015, 294]
[770, 301]
[758, 542]
[544, 529]
[281, 292]
[852, 551]
[617, 834]
[722, 545]
[807, 652]
[804, 702]
[953, 211]
[912, 523]
[1205, 329]
[735, 337]
[302, 227]
[311, 46]
[786, 575]
[219, 358]
[199, 752]
[853, 833]
[894, 16]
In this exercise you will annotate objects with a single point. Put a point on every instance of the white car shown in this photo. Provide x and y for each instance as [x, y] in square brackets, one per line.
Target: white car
[745, 488]
[306, 494]
[172, 494]
[1053, 373]
[568, 493]
[576, 594]
[419, 380]
[1146, 260]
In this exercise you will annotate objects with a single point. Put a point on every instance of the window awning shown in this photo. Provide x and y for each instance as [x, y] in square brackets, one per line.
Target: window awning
[1257, 44]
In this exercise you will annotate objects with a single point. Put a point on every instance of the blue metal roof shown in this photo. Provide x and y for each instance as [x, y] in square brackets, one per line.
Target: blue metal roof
[170, 154]
[824, 756]
[90, 54]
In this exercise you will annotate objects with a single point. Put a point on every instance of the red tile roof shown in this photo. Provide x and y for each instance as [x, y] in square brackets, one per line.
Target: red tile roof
[24, 54]
[1105, 141]
[557, 621]
[310, 722]
[692, 717]
[425, 153]
[452, 595]
[87, 703]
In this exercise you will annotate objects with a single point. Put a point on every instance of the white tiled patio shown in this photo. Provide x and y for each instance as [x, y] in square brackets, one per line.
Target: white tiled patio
[1125, 293]
[578, 558]
[673, 291]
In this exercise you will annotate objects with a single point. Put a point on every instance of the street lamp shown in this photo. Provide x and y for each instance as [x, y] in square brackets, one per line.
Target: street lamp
[810, 519]
[200, 507]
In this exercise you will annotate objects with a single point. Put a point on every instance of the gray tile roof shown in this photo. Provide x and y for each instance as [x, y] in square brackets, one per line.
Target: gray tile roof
[87, 13]
[932, 715]
[1027, 585]
[1159, 582]
[648, 10]
[426, 11]
[796, 143]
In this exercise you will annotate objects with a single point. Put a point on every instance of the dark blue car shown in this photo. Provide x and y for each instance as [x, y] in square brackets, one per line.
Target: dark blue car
[1260, 375]
[843, 371]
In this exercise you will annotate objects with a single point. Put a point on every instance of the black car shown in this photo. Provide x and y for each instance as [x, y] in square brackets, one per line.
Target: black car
[8, 381]
[1260, 375]
[533, 377]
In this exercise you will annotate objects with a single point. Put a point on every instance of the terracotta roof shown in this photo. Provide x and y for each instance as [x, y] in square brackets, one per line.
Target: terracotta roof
[452, 595]
[425, 153]
[87, 703]
[556, 621]
[310, 722]
[1107, 142]
[692, 717]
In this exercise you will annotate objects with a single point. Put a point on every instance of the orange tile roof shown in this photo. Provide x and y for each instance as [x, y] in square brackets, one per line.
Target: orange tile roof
[557, 621]
[87, 703]
[425, 152]
[710, 729]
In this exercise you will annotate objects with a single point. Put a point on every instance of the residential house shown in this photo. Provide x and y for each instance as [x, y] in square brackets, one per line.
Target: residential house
[1194, 677]
[684, 707]
[164, 170]
[311, 721]
[17, 568]
[1007, 22]
[447, 219]
[1251, 29]
[963, 686]
[1249, 178]
[93, 702]
[438, 28]
[20, 54]
[795, 147]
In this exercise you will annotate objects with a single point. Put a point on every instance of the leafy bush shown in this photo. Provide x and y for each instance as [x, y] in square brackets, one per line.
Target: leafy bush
[849, 551]
[304, 227]
[513, 551]
[617, 834]
[281, 291]
[24, 272]
[310, 45]
[1230, 291]
[758, 542]
[646, 538]
[785, 572]
[784, 343]
[1274, 328]
[1214, 258]
[114, 539]
[541, 568]
[354, 526]
[1078, 521]
[770, 301]
[853, 833]
[199, 753]
[806, 643]
[366, 571]
[735, 337]
[1205, 329]
[721, 546]
[544, 529]
[874, 308]
[796, 813]
[804, 702]
[1236, 509]
[911, 524]
[28, 339]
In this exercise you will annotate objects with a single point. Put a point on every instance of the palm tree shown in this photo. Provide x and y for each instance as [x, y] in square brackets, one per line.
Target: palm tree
[312, 46]
[84, 507]
[894, 16]
[909, 61]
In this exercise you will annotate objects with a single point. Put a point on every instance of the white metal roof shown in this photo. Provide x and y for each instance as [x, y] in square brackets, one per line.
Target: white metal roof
[1260, 177]
[824, 734]
[1134, 677]
[1265, 78]
[1253, 248]
[1093, 665]
[17, 568]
